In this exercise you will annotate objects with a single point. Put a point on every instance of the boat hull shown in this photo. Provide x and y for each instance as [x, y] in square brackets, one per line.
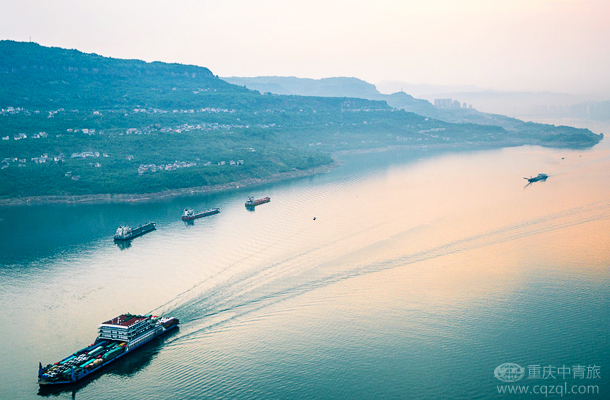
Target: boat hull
[254, 203]
[540, 177]
[45, 383]
[139, 231]
[200, 215]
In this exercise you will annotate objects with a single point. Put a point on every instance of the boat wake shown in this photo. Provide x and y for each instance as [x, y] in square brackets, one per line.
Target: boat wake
[234, 293]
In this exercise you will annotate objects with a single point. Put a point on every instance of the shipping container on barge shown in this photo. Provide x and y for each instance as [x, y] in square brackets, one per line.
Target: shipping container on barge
[124, 232]
[189, 215]
[116, 337]
[252, 202]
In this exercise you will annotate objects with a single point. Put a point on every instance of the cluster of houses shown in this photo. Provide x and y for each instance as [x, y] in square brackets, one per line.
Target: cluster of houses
[204, 110]
[9, 160]
[45, 158]
[210, 126]
[11, 110]
[86, 131]
[20, 110]
[20, 136]
[204, 126]
[39, 135]
[88, 154]
[231, 163]
[142, 169]
[22, 162]
[176, 111]
[53, 112]
[152, 168]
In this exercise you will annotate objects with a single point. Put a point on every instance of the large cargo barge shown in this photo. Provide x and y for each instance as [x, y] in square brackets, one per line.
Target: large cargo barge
[117, 337]
[252, 202]
[189, 215]
[124, 232]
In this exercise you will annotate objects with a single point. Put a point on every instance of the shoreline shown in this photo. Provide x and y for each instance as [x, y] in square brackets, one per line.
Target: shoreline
[108, 198]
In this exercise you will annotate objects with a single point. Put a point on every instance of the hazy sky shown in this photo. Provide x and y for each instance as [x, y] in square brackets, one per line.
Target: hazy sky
[532, 45]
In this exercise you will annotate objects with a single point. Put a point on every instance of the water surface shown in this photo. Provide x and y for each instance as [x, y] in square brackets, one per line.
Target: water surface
[421, 273]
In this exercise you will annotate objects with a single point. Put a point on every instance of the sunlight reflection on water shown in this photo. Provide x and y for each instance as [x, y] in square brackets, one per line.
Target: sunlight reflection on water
[417, 271]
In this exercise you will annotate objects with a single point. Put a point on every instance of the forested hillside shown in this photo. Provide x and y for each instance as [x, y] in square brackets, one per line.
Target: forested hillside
[73, 123]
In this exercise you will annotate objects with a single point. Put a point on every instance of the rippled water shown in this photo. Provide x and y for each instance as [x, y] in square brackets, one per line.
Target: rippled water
[421, 273]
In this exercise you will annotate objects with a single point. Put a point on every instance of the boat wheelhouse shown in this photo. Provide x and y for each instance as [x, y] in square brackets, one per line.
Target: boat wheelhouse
[124, 232]
[252, 202]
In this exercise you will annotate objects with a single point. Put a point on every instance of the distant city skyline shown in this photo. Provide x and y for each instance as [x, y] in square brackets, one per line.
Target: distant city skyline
[511, 45]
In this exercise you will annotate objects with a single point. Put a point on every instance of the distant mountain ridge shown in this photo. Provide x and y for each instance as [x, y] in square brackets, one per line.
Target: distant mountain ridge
[518, 104]
[326, 87]
[354, 87]
[332, 87]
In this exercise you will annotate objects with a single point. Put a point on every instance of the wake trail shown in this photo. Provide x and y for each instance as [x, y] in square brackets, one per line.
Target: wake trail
[253, 290]
[224, 271]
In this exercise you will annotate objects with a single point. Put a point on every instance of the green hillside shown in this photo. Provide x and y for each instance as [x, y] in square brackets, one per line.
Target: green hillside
[77, 124]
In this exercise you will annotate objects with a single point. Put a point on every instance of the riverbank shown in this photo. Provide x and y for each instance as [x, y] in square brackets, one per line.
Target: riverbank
[109, 198]
[106, 198]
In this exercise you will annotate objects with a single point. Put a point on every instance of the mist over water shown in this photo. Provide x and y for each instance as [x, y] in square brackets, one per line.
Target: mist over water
[421, 273]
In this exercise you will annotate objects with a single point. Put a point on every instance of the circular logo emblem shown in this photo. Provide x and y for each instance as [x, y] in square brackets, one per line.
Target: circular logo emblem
[509, 372]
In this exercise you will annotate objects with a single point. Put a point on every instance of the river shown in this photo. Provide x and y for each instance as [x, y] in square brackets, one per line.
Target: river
[404, 274]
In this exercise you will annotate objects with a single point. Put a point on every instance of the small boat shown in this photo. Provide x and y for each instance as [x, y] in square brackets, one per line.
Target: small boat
[540, 177]
[189, 214]
[124, 232]
[252, 202]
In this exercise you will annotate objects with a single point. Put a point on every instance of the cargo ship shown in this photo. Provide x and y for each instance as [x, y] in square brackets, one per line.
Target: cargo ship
[124, 232]
[117, 337]
[540, 177]
[252, 202]
[189, 215]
